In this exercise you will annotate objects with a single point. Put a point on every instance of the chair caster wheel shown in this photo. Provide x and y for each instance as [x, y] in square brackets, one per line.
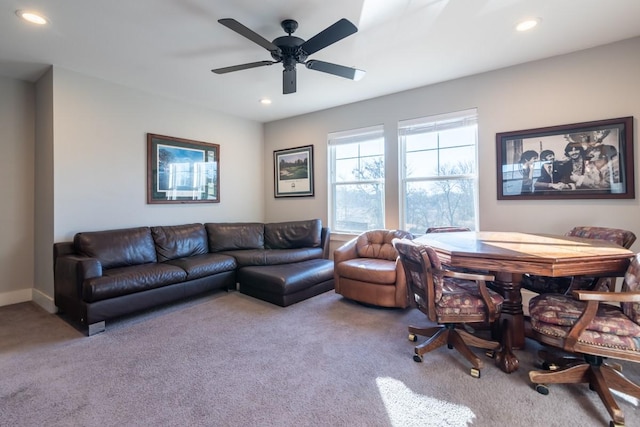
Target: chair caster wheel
[475, 373]
[490, 354]
[413, 337]
[417, 358]
[542, 389]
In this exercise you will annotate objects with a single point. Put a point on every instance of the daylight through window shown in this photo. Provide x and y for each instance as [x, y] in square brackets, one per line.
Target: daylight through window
[356, 180]
[439, 171]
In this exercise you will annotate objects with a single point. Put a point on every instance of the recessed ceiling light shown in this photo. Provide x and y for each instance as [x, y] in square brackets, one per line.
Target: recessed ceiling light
[33, 17]
[265, 101]
[527, 24]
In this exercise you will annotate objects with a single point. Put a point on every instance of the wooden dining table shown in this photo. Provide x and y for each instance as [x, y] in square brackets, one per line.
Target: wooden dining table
[509, 255]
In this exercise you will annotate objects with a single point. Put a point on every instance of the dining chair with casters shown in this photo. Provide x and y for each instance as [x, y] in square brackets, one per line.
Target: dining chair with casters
[598, 326]
[540, 284]
[450, 299]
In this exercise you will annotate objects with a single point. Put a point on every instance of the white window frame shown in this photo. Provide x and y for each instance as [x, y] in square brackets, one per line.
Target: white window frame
[431, 124]
[349, 137]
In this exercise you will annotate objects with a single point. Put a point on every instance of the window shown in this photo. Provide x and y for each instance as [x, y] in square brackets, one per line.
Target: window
[356, 163]
[439, 178]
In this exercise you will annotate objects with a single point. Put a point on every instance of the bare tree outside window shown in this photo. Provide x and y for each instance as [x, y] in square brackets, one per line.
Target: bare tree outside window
[440, 174]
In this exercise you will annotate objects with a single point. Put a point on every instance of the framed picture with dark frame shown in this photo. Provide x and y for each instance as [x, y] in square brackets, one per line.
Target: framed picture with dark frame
[590, 160]
[182, 170]
[293, 172]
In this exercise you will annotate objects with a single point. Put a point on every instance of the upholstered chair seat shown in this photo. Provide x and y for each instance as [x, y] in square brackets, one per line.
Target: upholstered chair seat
[596, 326]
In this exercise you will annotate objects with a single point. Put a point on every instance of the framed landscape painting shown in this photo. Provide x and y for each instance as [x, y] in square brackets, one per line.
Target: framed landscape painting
[293, 169]
[182, 170]
[590, 160]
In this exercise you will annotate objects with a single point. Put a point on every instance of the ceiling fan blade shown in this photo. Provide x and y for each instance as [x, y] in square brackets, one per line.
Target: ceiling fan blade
[225, 70]
[335, 69]
[234, 25]
[288, 81]
[328, 36]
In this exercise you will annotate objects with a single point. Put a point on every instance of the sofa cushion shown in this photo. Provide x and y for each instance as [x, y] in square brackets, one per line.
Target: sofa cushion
[117, 248]
[293, 234]
[274, 256]
[230, 236]
[198, 266]
[179, 241]
[128, 280]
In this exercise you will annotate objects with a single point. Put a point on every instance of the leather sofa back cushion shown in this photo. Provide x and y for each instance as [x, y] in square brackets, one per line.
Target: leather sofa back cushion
[377, 243]
[117, 248]
[230, 236]
[179, 241]
[293, 234]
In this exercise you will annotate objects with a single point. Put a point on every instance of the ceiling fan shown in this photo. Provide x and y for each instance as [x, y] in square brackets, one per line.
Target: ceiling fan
[291, 50]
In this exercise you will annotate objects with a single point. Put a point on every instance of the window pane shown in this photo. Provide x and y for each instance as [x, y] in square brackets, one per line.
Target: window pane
[345, 169]
[458, 136]
[439, 203]
[422, 141]
[457, 161]
[422, 164]
[439, 181]
[357, 181]
[359, 207]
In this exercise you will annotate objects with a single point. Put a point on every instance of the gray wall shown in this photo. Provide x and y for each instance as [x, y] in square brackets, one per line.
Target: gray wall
[594, 84]
[89, 169]
[74, 153]
[16, 190]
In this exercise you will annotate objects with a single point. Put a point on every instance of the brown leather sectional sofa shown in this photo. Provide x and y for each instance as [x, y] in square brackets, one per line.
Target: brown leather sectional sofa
[105, 274]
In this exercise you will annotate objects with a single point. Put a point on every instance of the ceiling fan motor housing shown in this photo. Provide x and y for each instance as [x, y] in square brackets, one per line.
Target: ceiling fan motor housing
[290, 50]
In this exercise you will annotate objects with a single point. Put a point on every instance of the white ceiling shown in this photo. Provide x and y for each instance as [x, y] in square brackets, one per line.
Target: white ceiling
[168, 47]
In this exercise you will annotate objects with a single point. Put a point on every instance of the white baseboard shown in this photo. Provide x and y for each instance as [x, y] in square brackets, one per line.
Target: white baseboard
[44, 301]
[15, 297]
[30, 294]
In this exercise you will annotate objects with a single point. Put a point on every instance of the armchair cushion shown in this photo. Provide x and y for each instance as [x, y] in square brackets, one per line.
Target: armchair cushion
[369, 270]
[377, 244]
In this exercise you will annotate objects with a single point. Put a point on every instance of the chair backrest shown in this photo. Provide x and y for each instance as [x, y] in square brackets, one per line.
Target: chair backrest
[424, 287]
[632, 284]
[624, 238]
[378, 243]
[447, 229]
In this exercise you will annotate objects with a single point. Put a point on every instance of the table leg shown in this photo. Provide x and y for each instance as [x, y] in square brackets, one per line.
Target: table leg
[508, 285]
[512, 320]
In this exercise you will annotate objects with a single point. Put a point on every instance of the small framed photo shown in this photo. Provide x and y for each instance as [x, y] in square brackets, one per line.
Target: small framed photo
[293, 169]
[182, 171]
[590, 160]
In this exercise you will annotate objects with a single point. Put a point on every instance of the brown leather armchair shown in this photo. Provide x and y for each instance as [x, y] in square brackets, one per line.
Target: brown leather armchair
[367, 269]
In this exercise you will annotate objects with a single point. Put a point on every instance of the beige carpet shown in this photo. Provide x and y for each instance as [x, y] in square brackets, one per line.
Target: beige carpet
[230, 360]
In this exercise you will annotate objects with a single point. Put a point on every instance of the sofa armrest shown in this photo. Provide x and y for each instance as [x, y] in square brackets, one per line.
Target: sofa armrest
[324, 241]
[70, 272]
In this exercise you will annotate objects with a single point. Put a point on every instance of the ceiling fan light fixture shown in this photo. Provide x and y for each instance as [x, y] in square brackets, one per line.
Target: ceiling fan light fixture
[527, 24]
[32, 17]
